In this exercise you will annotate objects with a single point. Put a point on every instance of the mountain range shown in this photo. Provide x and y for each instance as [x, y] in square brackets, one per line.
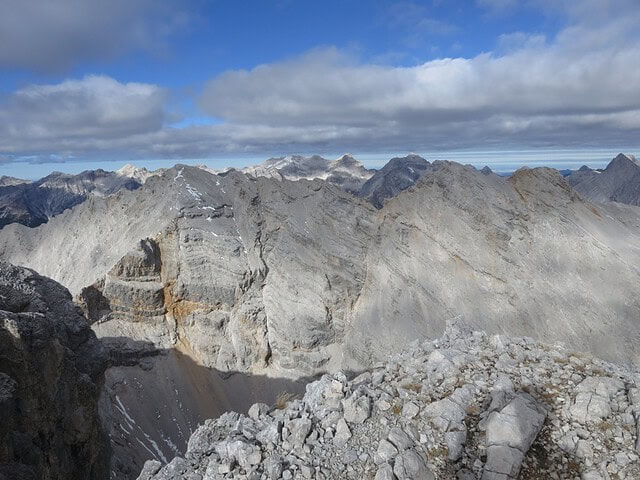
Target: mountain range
[34, 203]
[210, 286]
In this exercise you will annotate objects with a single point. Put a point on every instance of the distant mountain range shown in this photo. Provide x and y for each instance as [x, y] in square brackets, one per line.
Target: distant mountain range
[345, 172]
[34, 203]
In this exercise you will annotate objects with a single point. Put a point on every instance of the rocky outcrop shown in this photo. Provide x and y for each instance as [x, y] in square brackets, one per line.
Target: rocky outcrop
[6, 181]
[397, 175]
[619, 182]
[467, 406]
[51, 372]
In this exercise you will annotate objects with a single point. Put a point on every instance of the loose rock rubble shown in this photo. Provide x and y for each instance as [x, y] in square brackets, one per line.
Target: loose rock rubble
[466, 406]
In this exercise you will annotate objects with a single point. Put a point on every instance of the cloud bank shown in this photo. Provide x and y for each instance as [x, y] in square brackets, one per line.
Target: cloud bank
[580, 88]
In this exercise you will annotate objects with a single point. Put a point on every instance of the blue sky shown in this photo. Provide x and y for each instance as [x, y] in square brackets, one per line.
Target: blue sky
[88, 84]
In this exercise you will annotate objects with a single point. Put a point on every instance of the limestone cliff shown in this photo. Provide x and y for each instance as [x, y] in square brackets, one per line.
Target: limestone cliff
[522, 256]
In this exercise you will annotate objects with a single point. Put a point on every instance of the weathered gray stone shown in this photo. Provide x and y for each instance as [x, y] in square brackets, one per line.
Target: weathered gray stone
[257, 409]
[503, 463]
[455, 443]
[400, 439]
[386, 451]
[445, 413]
[342, 435]
[150, 468]
[592, 402]
[385, 472]
[271, 433]
[273, 466]
[357, 408]
[509, 435]
[410, 410]
[409, 465]
[300, 429]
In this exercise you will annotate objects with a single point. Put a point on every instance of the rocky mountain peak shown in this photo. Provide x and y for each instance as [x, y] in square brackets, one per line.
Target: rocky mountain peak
[542, 185]
[140, 174]
[407, 162]
[34, 203]
[6, 181]
[623, 164]
[618, 182]
[347, 161]
[397, 175]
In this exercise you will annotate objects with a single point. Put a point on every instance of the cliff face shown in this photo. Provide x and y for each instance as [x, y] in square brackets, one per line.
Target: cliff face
[246, 274]
[51, 372]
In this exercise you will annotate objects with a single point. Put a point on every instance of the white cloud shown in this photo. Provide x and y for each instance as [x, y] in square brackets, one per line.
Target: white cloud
[48, 117]
[585, 81]
[54, 35]
[580, 88]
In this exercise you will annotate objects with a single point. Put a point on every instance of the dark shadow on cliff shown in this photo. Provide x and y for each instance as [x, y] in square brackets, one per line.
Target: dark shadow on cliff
[154, 399]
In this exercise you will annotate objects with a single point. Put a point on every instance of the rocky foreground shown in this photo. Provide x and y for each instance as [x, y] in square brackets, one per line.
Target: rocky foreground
[51, 372]
[466, 406]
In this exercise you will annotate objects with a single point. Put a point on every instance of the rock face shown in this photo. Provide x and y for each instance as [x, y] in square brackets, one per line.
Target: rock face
[523, 255]
[482, 407]
[287, 259]
[51, 372]
[34, 203]
[345, 172]
[396, 176]
[619, 182]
